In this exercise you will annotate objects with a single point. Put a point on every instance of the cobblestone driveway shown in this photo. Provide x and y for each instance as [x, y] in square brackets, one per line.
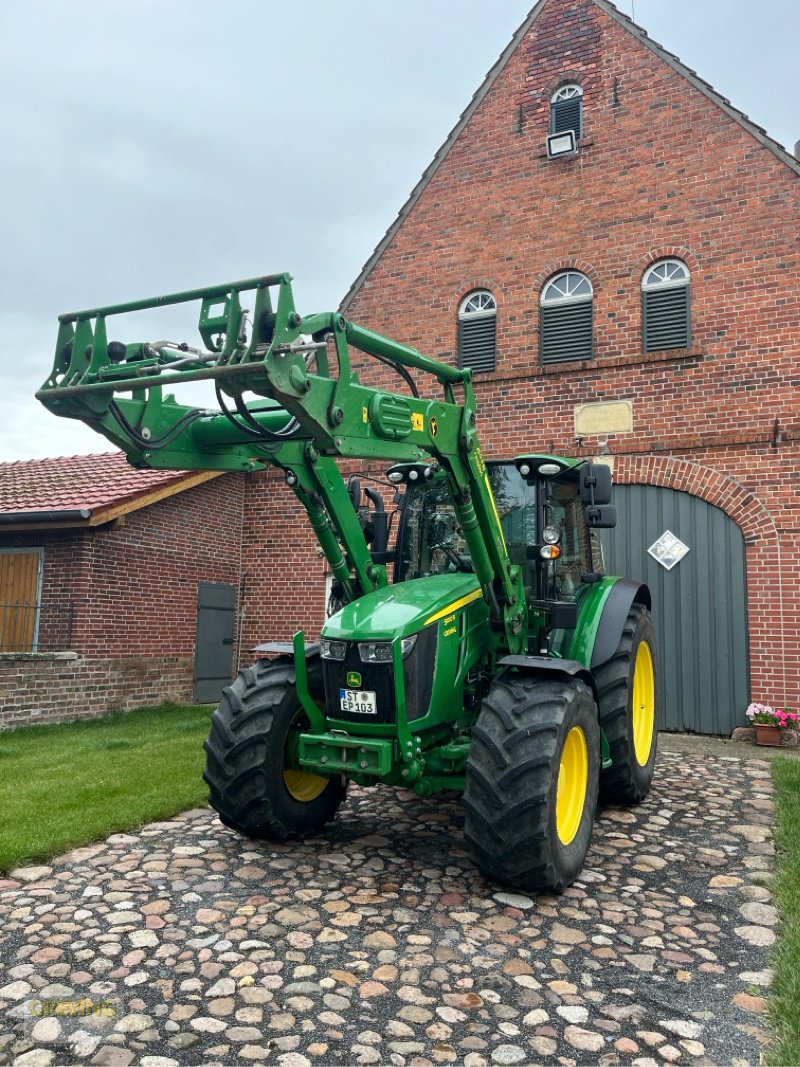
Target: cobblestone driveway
[381, 944]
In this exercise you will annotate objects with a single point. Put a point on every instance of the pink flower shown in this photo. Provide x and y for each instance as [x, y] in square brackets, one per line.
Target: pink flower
[766, 715]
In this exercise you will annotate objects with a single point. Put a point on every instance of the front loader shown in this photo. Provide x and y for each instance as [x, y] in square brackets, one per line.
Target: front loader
[475, 643]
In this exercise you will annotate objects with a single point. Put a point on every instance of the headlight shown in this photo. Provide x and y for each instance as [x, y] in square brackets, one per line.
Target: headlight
[549, 552]
[375, 652]
[333, 649]
[551, 535]
[407, 645]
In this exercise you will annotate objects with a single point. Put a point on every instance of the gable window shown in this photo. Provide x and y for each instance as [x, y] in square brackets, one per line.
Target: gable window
[566, 110]
[566, 318]
[477, 331]
[665, 306]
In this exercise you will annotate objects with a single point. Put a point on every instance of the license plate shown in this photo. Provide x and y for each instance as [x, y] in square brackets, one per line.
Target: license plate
[359, 702]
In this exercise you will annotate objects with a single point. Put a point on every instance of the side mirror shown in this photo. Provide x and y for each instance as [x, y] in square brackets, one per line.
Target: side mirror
[602, 516]
[595, 484]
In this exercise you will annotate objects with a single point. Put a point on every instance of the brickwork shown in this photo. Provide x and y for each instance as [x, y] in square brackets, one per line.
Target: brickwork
[142, 593]
[662, 171]
[35, 690]
[283, 574]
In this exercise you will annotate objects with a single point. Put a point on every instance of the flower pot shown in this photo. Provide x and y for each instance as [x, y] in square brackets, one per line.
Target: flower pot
[768, 735]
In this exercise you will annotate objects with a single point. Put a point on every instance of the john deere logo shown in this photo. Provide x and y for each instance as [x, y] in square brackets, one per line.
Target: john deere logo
[354, 679]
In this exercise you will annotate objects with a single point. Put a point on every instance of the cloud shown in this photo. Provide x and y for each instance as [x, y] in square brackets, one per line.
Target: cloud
[151, 147]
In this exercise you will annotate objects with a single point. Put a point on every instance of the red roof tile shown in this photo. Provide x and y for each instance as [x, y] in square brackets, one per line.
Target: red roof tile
[73, 482]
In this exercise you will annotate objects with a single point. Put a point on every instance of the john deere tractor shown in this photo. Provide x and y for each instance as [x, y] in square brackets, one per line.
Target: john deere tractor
[475, 643]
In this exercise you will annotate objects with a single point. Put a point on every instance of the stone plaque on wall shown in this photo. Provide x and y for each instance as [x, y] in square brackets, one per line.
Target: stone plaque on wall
[604, 417]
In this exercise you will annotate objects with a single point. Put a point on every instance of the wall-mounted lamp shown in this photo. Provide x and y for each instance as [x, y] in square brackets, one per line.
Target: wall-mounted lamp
[561, 144]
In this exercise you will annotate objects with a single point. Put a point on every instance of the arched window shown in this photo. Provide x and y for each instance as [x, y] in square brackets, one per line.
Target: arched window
[477, 331]
[566, 110]
[665, 306]
[566, 318]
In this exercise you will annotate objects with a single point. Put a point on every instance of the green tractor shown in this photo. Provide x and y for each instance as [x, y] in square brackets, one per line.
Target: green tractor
[474, 642]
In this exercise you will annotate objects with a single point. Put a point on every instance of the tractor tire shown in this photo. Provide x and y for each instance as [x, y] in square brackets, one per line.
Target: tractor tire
[532, 779]
[253, 786]
[628, 693]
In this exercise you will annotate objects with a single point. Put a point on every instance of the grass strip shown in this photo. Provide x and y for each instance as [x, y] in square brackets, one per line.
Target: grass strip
[65, 786]
[784, 998]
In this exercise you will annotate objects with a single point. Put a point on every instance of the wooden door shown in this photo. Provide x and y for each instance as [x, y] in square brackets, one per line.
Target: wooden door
[20, 573]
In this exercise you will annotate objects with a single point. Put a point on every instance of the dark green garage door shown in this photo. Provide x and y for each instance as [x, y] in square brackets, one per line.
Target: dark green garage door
[699, 604]
[213, 659]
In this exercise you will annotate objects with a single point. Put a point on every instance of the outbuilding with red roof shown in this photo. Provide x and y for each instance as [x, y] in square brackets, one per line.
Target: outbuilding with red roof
[118, 587]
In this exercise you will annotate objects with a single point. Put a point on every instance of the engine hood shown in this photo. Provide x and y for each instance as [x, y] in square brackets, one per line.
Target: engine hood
[404, 609]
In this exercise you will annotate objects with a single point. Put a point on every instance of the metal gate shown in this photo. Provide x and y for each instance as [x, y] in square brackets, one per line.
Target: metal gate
[699, 601]
[213, 657]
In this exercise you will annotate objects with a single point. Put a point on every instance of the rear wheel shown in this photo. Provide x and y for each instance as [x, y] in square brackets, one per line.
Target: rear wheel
[532, 778]
[628, 689]
[256, 783]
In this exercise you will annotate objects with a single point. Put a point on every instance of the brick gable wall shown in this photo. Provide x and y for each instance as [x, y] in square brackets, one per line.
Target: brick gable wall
[663, 171]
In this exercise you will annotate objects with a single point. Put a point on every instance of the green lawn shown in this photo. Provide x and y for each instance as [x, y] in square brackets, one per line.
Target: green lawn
[63, 786]
[784, 997]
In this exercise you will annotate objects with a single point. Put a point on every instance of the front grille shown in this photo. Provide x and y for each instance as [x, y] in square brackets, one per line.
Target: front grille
[375, 677]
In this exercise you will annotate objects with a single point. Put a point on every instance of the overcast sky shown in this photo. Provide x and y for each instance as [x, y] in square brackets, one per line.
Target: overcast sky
[151, 146]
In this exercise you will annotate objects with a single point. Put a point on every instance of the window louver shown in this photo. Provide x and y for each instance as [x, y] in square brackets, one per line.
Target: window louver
[666, 319]
[477, 343]
[566, 332]
[567, 115]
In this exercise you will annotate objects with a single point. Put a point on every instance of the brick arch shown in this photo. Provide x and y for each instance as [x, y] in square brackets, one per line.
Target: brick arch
[566, 77]
[556, 266]
[463, 289]
[746, 510]
[665, 252]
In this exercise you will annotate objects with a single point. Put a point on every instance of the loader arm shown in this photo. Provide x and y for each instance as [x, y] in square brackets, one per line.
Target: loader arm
[289, 397]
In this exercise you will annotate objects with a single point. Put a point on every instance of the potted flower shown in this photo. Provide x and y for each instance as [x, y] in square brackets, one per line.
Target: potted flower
[769, 722]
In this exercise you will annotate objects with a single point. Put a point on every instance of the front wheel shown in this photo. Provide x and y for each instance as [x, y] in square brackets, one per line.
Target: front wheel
[628, 689]
[532, 779]
[256, 783]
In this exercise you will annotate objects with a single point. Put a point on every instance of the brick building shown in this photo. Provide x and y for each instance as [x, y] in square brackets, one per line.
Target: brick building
[636, 297]
[112, 582]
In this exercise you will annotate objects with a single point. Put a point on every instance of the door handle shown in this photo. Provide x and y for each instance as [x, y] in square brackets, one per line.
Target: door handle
[227, 640]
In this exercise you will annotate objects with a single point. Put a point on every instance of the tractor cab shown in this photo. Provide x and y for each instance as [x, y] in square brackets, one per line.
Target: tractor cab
[548, 510]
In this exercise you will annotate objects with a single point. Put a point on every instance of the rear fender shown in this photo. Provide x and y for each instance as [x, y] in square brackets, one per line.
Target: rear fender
[623, 594]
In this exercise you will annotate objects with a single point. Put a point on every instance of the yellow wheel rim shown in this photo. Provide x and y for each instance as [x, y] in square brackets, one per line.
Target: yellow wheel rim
[644, 704]
[302, 785]
[573, 782]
